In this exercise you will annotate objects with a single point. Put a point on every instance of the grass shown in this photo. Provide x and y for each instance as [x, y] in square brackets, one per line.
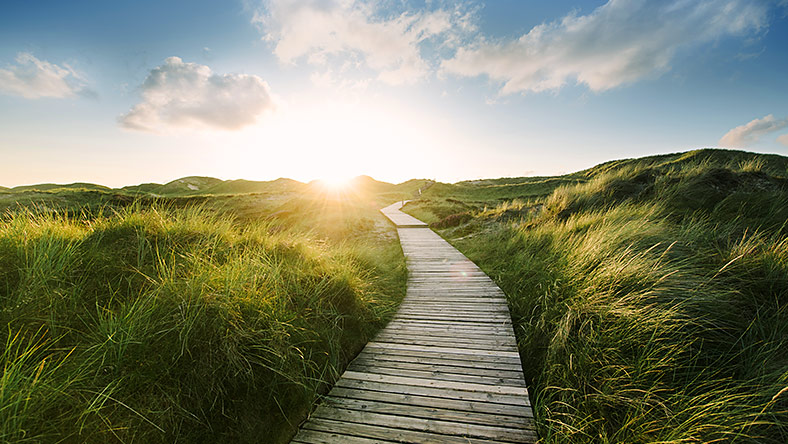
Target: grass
[648, 296]
[649, 299]
[161, 323]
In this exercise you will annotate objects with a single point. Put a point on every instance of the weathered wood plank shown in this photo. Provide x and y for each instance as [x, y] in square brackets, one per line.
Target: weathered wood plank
[458, 323]
[446, 350]
[441, 375]
[445, 427]
[432, 331]
[423, 382]
[462, 395]
[387, 433]
[496, 420]
[305, 436]
[430, 401]
[485, 312]
[496, 364]
[440, 368]
[460, 341]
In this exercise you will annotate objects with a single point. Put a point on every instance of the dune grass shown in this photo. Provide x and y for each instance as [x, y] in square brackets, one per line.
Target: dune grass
[649, 301]
[157, 324]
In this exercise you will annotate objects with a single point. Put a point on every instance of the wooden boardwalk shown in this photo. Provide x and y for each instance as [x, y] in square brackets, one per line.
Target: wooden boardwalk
[446, 368]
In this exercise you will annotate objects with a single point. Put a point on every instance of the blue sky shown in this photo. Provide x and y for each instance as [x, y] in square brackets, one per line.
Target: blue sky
[121, 93]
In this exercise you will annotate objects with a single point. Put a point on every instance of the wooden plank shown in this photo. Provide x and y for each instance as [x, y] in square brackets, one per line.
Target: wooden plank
[442, 341]
[468, 321]
[462, 336]
[474, 344]
[462, 340]
[452, 316]
[424, 382]
[448, 353]
[386, 433]
[461, 331]
[415, 411]
[490, 313]
[513, 435]
[439, 368]
[444, 309]
[437, 300]
[436, 375]
[454, 325]
[430, 401]
[432, 331]
[502, 337]
[447, 350]
[305, 436]
[422, 358]
[462, 395]
[457, 323]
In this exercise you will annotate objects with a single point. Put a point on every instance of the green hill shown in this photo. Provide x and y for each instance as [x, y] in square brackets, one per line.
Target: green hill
[245, 199]
[188, 185]
[208, 186]
[55, 187]
[715, 158]
[184, 186]
[148, 188]
[240, 186]
[648, 295]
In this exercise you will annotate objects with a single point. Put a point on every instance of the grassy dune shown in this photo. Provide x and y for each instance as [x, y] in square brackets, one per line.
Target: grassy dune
[650, 298]
[158, 323]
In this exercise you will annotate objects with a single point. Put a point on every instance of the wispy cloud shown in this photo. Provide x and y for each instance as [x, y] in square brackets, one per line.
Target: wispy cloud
[34, 79]
[618, 43]
[357, 30]
[750, 133]
[188, 95]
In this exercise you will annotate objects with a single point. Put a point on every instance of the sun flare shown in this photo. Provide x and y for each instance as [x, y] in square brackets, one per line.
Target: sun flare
[337, 182]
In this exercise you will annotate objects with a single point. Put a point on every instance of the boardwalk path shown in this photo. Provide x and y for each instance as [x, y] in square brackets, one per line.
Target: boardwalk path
[445, 369]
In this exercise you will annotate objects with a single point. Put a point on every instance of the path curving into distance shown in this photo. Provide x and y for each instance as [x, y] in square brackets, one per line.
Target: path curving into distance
[444, 370]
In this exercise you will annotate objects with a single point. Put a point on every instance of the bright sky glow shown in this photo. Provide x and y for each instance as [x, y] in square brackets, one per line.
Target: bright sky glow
[121, 93]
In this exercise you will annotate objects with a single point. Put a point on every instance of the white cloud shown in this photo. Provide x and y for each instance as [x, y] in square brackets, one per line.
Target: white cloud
[390, 45]
[178, 94]
[750, 133]
[33, 79]
[618, 43]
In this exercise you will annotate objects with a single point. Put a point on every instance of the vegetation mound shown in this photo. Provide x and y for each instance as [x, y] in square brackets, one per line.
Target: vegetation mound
[649, 298]
[153, 323]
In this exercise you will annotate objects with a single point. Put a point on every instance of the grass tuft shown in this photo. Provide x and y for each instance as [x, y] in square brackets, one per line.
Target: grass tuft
[163, 324]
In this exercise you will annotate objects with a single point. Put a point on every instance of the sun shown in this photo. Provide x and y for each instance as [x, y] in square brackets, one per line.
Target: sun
[336, 182]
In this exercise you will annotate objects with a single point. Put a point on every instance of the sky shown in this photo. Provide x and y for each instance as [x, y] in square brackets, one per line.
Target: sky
[121, 92]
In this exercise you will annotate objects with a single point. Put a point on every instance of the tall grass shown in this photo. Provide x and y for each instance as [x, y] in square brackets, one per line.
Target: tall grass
[155, 324]
[649, 302]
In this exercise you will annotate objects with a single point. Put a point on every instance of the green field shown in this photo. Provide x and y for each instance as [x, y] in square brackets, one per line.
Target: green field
[649, 296]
